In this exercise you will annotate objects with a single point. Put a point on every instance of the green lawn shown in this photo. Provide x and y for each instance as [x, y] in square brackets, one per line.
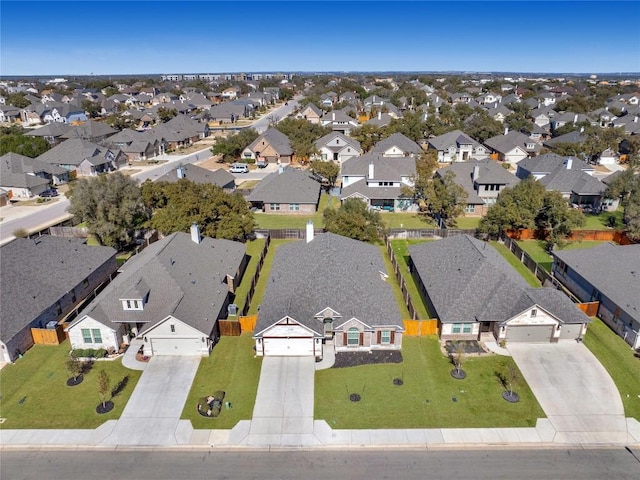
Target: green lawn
[264, 275]
[536, 250]
[34, 393]
[467, 223]
[426, 398]
[407, 220]
[232, 368]
[254, 248]
[278, 221]
[619, 360]
[601, 221]
[517, 264]
[397, 291]
[402, 256]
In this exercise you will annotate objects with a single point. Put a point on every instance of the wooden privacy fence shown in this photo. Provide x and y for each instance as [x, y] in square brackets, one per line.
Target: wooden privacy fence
[576, 235]
[229, 328]
[420, 328]
[48, 336]
[403, 286]
[248, 324]
[256, 277]
[589, 308]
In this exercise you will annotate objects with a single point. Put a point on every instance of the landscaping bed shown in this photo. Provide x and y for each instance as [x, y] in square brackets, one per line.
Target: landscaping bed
[353, 359]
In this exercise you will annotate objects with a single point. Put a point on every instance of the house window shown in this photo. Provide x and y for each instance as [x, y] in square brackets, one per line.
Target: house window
[456, 328]
[385, 337]
[324, 156]
[86, 335]
[133, 304]
[353, 337]
[294, 207]
[97, 335]
[466, 328]
[470, 209]
[534, 312]
[173, 328]
[275, 206]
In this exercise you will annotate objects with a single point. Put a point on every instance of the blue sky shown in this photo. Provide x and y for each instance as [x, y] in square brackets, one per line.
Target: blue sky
[126, 37]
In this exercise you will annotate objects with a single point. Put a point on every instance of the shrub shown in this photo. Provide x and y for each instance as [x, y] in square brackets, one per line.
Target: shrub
[101, 353]
[219, 395]
[21, 233]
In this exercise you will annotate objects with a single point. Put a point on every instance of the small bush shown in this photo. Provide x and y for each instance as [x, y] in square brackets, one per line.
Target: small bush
[219, 395]
[21, 233]
[101, 353]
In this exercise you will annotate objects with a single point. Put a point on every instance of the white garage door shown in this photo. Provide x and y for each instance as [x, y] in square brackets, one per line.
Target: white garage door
[530, 333]
[288, 347]
[176, 346]
[570, 331]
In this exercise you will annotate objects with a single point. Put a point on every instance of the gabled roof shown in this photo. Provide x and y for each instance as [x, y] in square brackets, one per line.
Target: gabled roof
[17, 163]
[276, 139]
[384, 168]
[613, 269]
[489, 173]
[54, 129]
[184, 279]
[398, 140]
[89, 130]
[14, 170]
[288, 186]
[550, 162]
[36, 273]
[468, 280]
[313, 108]
[331, 271]
[74, 151]
[330, 138]
[505, 143]
[571, 137]
[196, 174]
[443, 142]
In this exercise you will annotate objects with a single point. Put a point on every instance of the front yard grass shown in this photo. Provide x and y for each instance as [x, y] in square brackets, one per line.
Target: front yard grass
[537, 252]
[517, 264]
[402, 256]
[618, 359]
[232, 368]
[34, 392]
[426, 399]
[254, 248]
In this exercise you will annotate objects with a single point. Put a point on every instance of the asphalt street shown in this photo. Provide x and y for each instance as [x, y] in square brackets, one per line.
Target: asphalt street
[557, 464]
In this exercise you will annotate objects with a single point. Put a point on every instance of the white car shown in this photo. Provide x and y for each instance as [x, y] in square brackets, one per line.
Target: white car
[239, 168]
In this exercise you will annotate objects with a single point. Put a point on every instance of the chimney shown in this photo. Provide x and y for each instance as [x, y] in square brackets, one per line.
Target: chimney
[506, 130]
[569, 163]
[379, 115]
[635, 119]
[195, 233]
[476, 173]
[370, 170]
[180, 172]
[575, 118]
[333, 116]
[309, 236]
[581, 129]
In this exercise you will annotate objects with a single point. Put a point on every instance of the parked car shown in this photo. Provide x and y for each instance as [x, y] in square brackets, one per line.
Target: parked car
[52, 192]
[261, 163]
[239, 168]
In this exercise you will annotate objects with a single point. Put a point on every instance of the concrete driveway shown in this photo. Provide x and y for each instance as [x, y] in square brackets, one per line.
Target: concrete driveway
[283, 413]
[579, 397]
[153, 412]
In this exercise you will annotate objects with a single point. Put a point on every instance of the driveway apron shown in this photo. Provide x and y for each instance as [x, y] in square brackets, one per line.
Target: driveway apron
[154, 409]
[575, 391]
[283, 413]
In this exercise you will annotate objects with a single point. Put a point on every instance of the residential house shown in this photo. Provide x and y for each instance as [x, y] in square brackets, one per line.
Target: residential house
[90, 130]
[180, 131]
[380, 120]
[9, 114]
[271, 146]
[137, 146]
[563, 119]
[541, 116]
[327, 290]
[608, 157]
[51, 132]
[287, 191]
[472, 290]
[311, 113]
[512, 147]
[220, 177]
[378, 181]
[571, 177]
[83, 157]
[499, 112]
[610, 275]
[483, 180]
[457, 146]
[397, 145]
[171, 295]
[227, 112]
[43, 281]
[339, 121]
[576, 137]
[25, 177]
[337, 147]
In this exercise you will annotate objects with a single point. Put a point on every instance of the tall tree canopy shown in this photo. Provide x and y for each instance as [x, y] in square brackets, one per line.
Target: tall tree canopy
[176, 206]
[12, 139]
[231, 147]
[626, 187]
[302, 135]
[110, 205]
[328, 170]
[354, 220]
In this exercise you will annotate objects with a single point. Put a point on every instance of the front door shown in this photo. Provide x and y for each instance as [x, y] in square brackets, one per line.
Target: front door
[328, 327]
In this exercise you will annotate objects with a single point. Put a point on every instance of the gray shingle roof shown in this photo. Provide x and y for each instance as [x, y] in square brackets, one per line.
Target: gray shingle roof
[196, 174]
[184, 279]
[37, 273]
[490, 173]
[468, 280]
[331, 271]
[331, 138]
[612, 269]
[399, 140]
[290, 186]
[505, 143]
[18, 171]
[571, 137]
[443, 142]
[89, 130]
[74, 151]
[384, 168]
[559, 177]
[276, 139]
[54, 129]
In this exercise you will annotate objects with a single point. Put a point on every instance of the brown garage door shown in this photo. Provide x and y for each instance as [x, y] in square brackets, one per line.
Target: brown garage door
[530, 333]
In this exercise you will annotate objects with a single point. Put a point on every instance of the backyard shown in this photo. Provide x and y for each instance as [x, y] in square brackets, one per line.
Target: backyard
[516, 264]
[400, 250]
[264, 276]
[537, 252]
[232, 368]
[619, 360]
[34, 392]
[428, 398]
[254, 249]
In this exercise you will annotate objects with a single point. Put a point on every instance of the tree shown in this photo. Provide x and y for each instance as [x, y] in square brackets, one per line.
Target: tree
[93, 109]
[481, 126]
[426, 166]
[328, 170]
[445, 199]
[626, 187]
[557, 218]
[369, 135]
[12, 139]
[518, 119]
[231, 147]
[354, 220]
[302, 135]
[104, 382]
[18, 100]
[165, 114]
[176, 206]
[411, 125]
[73, 367]
[110, 205]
